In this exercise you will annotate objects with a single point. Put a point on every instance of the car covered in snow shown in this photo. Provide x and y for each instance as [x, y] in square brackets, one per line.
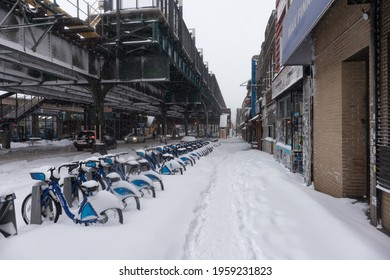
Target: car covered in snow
[85, 139]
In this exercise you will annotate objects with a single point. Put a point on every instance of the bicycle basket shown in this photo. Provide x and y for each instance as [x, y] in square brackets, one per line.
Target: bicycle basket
[160, 149]
[90, 164]
[108, 161]
[40, 174]
[140, 153]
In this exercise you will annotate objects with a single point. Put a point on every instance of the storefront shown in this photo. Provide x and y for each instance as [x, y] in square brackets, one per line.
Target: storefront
[44, 124]
[297, 47]
[288, 94]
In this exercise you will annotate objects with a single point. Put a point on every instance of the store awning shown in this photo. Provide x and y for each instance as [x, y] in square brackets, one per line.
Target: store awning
[254, 118]
[247, 114]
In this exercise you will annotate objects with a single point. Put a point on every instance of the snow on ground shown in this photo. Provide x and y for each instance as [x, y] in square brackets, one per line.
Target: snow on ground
[236, 203]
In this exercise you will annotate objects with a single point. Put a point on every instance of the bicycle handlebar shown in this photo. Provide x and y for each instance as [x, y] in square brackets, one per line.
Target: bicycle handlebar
[68, 165]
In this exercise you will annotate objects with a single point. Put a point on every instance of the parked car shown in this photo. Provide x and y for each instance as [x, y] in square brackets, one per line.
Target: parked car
[110, 142]
[132, 138]
[188, 139]
[84, 140]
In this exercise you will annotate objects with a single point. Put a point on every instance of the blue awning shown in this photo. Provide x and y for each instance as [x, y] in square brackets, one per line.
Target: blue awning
[301, 18]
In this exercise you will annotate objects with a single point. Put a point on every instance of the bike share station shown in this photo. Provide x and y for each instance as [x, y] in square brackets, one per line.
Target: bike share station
[7, 215]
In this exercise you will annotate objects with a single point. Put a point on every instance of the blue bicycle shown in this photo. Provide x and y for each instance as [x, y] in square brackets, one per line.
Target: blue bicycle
[141, 181]
[127, 192]
[96, 207]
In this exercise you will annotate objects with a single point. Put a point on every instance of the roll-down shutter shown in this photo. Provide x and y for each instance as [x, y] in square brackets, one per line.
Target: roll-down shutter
[383, 124]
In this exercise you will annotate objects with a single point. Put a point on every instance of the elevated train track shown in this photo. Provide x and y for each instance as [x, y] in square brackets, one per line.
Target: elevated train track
[142, 59]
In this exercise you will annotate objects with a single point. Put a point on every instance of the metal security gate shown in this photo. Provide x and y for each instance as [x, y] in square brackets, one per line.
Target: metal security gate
[383, 130]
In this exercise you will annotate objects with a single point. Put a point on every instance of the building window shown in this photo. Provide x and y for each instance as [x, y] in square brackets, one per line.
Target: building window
[270, 131]
[284, 107]
[284, 116]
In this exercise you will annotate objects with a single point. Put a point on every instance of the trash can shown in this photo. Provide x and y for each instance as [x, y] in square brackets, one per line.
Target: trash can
[7, 215]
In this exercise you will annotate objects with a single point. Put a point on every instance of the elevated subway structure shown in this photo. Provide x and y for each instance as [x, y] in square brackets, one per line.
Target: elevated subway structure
[135, 60]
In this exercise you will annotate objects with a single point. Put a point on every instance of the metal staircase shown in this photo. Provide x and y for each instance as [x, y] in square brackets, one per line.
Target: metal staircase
[13, 113]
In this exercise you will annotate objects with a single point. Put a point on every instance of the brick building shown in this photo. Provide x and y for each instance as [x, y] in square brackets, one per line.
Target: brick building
[331, 96]
[341, 126]
[345, 46]
[265, 73]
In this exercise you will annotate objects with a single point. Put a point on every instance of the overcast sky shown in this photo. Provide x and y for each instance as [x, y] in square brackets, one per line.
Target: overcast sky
[230, 32]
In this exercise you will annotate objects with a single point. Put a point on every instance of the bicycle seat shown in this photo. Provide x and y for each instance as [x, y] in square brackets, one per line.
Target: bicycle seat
[90, 187]
[113, 177]
[121, 160]
[133, 162]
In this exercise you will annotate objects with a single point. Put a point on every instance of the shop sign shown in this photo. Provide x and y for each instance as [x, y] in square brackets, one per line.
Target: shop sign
[286, 78]
[299, 21]
[47, 112]
[258, 106]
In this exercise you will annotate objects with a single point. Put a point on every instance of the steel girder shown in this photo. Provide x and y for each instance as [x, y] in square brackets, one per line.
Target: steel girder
[55, 67]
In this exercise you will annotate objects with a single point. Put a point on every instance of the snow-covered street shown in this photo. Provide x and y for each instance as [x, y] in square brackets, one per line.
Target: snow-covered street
[235, 203]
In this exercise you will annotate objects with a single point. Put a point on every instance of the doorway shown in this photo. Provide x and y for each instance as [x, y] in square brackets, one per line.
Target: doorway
[355, 125]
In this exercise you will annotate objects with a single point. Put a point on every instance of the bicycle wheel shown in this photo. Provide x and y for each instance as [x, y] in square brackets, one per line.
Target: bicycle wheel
[132, 202]
[111, 216]
[50, 209]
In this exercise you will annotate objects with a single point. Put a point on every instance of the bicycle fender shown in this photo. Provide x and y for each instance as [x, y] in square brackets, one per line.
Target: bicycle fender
[104, 200]
[185, 159]
[173, 165]
[153, 175]
[140, 180]
[124, 189]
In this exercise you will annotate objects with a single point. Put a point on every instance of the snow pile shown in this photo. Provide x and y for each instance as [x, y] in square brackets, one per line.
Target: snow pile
[236, 203]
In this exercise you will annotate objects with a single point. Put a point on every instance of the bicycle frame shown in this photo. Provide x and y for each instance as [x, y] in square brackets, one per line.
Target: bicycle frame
[124, 190]
[140, 181]
[90, 207]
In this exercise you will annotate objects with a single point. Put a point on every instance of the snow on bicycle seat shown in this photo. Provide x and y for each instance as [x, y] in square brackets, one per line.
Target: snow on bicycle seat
[121, 160]
[90, 186]
[167, 155]
[132, 162]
